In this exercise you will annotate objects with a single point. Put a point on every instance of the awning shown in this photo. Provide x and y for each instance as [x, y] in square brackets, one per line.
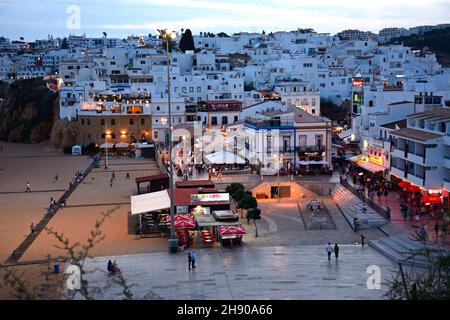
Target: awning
[413, 188]
[106, 145]
[358, 157]
[122, 145]
[150, 202]
[224, 158]
[183, 221]
[231, 230]
[370, 166]
[305, 163]
[404, 184]
[345, 134]
[431, 199]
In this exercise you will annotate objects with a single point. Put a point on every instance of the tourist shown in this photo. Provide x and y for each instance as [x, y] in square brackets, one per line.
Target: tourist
[128, 176]
[92, 179]
[32, 229]
[388, 212]
[109, 268]
[111, 182]
[193, 258]
[55, 179]
[444, 230]
[362, 240]
[113, 177]
[329, 250]
[336, 251]
[436, 229]
[189, 260]
[28, 187]
[422, 234]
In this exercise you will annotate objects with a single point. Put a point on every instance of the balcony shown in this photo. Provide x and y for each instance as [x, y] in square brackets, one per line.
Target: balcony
[268, 123]
[311, 148]
[447, 162]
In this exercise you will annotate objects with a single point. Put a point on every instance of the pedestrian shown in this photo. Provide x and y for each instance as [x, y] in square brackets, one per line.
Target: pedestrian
[113, 177]
[111, 182]
[32, 229]
[329, 250]
[436, 229]
[379, 196]
[128, 176]
[336, 251]
[189, 260]
[385, 193]
[92, 179]
[109, 267]
[28, 187]
[55, 178]
[355, 224]
[422, 234]
[362, 240]
[1, 148]
[364, 208]
[193, 258]
[444, 230]
[388, 212]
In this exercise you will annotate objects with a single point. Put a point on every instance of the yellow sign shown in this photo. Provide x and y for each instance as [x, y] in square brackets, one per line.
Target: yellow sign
[378, 160]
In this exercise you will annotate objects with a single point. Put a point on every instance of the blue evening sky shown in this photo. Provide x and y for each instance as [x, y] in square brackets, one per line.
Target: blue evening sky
[33, 19]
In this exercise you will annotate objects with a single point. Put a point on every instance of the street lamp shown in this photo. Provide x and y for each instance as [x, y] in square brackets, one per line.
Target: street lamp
[278, 160]
[167, 36]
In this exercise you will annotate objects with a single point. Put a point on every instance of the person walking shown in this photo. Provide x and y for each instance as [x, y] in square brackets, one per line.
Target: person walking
[193, 258]
[189, 260]
[436, 229]
[443, 230]
[111, 182]
[362, 240]
[32, 229]
[388, 212]
[329, 250]
[336, 251]
[128, 176]
[113, 177]
[55, 178]
[28, 187]
[109, 267]
[422, 234]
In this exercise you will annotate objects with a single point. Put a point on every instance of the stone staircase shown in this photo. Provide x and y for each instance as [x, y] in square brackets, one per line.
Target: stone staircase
[351, 207]
[400, 249]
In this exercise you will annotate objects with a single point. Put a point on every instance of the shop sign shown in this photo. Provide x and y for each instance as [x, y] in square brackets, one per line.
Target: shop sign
[210, 197]
[377, 160]
[358, 82]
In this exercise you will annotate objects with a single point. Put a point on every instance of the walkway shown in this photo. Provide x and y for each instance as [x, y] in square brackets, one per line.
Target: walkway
[23, 247]
[300, 272]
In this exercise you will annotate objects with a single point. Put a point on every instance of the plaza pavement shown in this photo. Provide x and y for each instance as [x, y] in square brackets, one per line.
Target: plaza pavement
[300, 272]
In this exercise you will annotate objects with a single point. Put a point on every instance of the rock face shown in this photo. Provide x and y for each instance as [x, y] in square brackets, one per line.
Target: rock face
[28, 111]
[64, 133]
[30, 114]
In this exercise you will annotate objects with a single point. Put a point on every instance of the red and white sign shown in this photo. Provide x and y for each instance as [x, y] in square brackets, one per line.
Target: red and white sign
[210, 197]
[358, 82]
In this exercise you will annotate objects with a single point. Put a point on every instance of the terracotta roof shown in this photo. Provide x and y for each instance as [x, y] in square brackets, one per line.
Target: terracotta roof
[415, 134]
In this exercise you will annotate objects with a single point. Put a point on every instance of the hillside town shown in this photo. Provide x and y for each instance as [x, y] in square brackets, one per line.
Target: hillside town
[195, 137]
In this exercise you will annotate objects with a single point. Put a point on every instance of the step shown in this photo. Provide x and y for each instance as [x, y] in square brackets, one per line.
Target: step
[401, 253]
[386, 250]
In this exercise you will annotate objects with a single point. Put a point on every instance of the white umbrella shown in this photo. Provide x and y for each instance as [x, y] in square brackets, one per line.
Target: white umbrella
[106, 145]
[122, 145]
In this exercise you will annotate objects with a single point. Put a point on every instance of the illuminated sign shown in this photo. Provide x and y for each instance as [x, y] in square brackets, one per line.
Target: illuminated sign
[358, 82]
[378, 160]
[210, 197]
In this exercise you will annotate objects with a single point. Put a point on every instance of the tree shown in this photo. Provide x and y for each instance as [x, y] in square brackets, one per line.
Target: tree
[64, 44]
[232, 188]
[248, 201]
[165, 37]
[254, 214]
[187, 41]
[105, 34]
[430, 284]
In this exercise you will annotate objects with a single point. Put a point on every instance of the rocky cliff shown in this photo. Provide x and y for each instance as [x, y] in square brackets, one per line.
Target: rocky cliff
[30, 114]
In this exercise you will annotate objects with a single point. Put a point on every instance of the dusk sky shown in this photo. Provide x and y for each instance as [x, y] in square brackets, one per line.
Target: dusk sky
[33, 19]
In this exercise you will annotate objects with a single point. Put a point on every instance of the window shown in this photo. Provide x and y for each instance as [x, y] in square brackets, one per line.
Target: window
[178, 108]
[113, 122]
[313, 102]
[302, 141]
[102, 122]
[82, 122]
[88, 122]
[199, 89]
[214, 121]
[158, 108]
[155, 134]
[142, 121]
[179, 120]
[319, 140]
[224, 120]
[191, 89]
[370, 103]
[236, 118]
[131, 121]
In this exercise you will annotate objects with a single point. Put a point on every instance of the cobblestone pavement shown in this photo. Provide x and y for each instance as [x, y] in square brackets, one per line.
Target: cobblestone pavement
[300, 272]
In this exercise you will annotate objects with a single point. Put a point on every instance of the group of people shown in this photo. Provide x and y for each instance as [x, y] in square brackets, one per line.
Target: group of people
[51, 206]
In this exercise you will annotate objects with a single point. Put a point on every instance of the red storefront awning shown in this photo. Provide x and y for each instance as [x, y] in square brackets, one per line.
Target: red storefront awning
[231, 230]
[413, 188]
[404, 184]
[431, 199]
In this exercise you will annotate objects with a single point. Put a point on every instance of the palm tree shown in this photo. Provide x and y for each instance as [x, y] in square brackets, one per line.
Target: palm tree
[166, 37]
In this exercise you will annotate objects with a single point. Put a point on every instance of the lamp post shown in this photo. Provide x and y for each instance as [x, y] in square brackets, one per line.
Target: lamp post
[167, 36]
